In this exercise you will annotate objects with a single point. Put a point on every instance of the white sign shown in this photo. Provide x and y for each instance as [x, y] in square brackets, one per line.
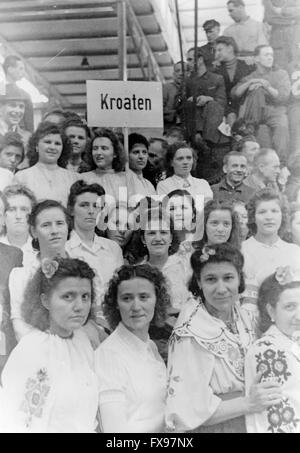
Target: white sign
[124, 104]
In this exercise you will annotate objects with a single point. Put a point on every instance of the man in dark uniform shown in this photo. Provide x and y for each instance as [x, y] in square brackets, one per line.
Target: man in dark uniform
[10, 257]
[205, 100]
[212, 30]
[232, 70]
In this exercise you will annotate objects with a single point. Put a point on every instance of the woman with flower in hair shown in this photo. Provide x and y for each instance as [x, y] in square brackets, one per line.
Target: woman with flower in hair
[49, 383]
[276, 355]
[207, 349]
[131, 373]
[48, 153]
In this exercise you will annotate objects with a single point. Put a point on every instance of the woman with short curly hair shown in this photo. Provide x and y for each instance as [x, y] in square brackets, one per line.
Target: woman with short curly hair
[48, 153]
[106, 160]
[132, 375]
[264, 251]
[49, 382]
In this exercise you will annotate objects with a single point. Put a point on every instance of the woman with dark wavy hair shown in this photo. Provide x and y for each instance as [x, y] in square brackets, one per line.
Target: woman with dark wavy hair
[180, 160]
[106, 159]
[276, 355]
[158, 244]
[48, 153]
[264, 251]
[220, 224]
[49, 382]
[207, 349]
[132, 375]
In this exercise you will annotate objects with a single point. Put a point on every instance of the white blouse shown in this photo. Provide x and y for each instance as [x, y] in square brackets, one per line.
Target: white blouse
[206, 361]
[278, 358]
[49, 386]
[262, 260]
[6, 178]
[131, 372]
[195, 186]
[45, 184]
[104, 257]
[140, 187]
[18, 280]
[115, 185]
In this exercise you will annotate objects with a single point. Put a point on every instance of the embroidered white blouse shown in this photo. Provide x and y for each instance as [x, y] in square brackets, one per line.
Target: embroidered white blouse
[206, 360]
[278, 358]
[45, 184]
[49, 386]
[132, 374]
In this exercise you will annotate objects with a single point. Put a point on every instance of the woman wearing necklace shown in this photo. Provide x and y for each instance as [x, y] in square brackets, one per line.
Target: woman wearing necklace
[106, 160]
[207, 349]
[49, 223]
[276, 355]
[48, 154]
[49, 383]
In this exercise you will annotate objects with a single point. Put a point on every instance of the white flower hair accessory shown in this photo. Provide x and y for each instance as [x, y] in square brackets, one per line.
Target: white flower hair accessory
[49, 267]
[206, 253]
[287, 274]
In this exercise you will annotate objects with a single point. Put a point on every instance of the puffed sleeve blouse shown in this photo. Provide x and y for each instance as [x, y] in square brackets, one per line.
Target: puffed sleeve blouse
[131, 371]
[206, 361]
[49, 386]
[277, 357]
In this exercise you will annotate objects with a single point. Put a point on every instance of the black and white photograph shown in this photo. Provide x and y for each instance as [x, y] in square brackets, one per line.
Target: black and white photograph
[150, 219]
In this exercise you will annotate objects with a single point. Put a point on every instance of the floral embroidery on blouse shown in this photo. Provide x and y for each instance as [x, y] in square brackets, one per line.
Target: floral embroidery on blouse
[273, 365]
[36, 392]
[226, 345]
[282, 418]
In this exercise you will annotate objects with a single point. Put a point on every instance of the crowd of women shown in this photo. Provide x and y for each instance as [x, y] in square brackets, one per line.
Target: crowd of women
[144, 307]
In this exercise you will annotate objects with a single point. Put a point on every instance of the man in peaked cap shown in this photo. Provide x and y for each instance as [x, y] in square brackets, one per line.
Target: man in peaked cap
[212, 30]
[12, 109]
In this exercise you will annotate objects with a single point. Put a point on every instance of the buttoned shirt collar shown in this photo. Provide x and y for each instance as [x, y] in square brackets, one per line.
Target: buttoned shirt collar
[276, 245]
[181, 181]
[98, 244]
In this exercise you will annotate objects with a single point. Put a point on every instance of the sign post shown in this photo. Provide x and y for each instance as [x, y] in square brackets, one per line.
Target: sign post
[122, 32]
[124, 104]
